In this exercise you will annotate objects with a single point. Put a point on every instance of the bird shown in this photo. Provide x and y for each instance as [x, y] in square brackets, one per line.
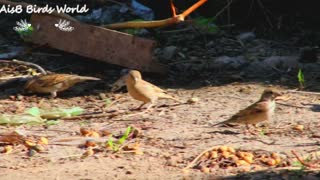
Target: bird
[121, 82]
[262, 110]
[53, 83]
[144, 91]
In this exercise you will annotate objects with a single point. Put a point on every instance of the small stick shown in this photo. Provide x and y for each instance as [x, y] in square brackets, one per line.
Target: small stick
[294, 106]
[30, 64]
[223, 9]
[90, 116]
[192, 163]
[157, 23]
[302, 161]
[302, 92]
[14, 77]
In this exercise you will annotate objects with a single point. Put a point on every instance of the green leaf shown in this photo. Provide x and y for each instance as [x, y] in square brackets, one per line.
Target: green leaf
[110, 143]
[301, 78]
[13, 119]
[107, 102]
[297, 164]
[52, 122]
[125, 136]
[34, 111]
[57, 113]
[73, 111]
[206, 24]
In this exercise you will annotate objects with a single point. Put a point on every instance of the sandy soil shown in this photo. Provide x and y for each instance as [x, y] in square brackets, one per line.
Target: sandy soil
[172, 135]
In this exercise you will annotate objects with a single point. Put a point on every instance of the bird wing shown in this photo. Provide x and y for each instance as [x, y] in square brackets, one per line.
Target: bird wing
[247, 113]
[155, 88]
[254, 108]
[146, 89]
[52, 79]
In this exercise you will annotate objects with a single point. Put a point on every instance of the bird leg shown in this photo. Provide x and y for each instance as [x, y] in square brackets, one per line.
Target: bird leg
[138, 108]
[141, 105]
[53, 94]
[149, 107]
[249, 131]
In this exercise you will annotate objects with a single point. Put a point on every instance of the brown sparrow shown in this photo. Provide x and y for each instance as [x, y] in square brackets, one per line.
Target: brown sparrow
[121, 82]
[262, 110]
[53, 83]
[144, 91]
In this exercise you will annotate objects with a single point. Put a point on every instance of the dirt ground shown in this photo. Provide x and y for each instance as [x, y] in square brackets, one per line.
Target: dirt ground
[172, 134]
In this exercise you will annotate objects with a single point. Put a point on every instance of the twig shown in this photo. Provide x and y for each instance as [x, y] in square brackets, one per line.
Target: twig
[157, 23]
[90, 116]
[16, 61]
[294, 106]
[265, 13]
[13, 77]
[302, 92]
[222, 10]
[11, 80]
[229, 96]
[302, 161]
[192, 163]
[30, 64]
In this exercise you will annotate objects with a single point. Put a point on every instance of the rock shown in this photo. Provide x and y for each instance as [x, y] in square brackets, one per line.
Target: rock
[227, 62]
[13, 52]
[246, 36]
[142, 11]
[266, 66]
[284, 62]
[96, 14]
[309, 55]
[105, 15]
[168, 52]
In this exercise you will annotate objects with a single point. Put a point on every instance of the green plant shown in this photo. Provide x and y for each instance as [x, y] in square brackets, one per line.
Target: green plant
[206, 24]
[34, 111]
[298, 172]
[301, 78]
[107, 102]
[115, 146]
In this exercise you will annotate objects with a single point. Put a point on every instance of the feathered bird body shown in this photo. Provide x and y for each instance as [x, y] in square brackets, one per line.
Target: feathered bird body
[262, 110]
[144, 91]
[53, 83]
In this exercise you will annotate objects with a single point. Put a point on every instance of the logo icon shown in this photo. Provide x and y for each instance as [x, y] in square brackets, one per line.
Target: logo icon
[23, 25]
[23, 28]
[63, 25]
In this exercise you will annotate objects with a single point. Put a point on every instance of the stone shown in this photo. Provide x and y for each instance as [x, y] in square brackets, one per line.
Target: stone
[168, 52]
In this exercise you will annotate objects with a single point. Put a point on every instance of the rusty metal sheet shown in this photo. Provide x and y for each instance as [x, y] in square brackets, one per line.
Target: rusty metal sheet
[98, 43]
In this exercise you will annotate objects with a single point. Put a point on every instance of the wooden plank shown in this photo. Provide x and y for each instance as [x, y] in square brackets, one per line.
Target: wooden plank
[98, 43]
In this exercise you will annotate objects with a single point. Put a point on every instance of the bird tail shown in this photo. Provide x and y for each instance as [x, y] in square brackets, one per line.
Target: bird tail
[85, 78]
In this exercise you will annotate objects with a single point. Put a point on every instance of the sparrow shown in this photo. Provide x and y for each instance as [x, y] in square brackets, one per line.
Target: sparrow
[53, 83]
[261, 110]
[144, 91]
[121, 82]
